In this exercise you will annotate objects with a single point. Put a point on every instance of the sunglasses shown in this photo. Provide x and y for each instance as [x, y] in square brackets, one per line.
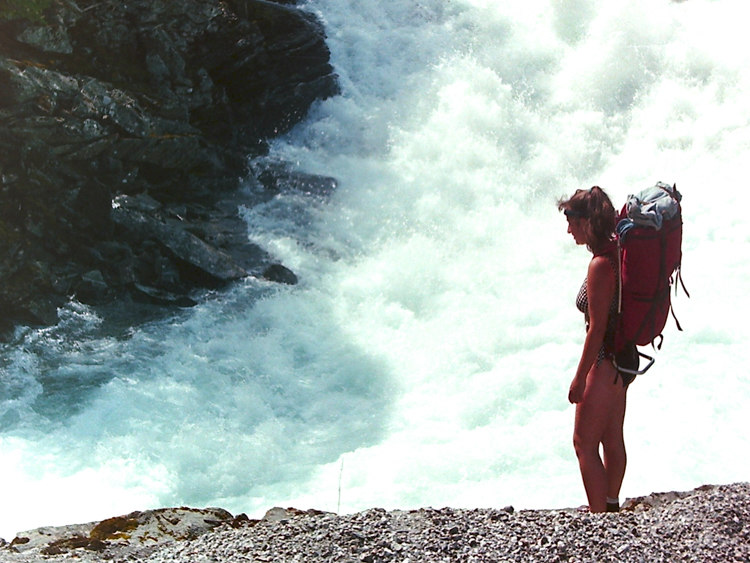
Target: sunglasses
[574, 214]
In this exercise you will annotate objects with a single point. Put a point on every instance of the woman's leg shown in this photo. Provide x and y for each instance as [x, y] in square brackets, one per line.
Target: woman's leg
[594, 415]
[613, 443]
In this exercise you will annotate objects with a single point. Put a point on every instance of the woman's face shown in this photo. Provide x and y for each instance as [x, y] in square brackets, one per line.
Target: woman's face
[576, 227]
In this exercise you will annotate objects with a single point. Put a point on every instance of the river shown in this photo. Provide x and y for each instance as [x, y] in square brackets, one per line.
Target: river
[424, 358]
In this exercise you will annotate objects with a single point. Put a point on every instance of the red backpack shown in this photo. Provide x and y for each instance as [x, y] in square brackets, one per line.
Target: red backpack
[649, 233]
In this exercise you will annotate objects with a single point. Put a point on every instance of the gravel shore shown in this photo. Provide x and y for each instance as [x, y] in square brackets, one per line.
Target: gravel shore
[709, 524]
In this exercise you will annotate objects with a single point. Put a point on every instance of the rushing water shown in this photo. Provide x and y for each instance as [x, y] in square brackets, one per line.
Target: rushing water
[425, 357]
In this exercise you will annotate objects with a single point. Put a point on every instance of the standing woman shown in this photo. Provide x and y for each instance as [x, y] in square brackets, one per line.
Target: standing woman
[598, 390]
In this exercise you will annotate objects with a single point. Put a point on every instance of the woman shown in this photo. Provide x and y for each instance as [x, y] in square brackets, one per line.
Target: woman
[598, 390]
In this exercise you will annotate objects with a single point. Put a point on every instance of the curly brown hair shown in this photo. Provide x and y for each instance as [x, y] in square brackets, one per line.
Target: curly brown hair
[592, 204]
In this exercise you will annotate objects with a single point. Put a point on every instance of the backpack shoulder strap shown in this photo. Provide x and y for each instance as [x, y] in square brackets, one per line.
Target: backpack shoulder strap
[678, 277]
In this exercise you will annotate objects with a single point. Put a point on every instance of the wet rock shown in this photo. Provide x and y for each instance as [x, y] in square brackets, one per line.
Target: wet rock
[51, 39]
[92, 287]
[186, 247]
[146, 294]
[280, 178]
[154, 97]
[280, 274]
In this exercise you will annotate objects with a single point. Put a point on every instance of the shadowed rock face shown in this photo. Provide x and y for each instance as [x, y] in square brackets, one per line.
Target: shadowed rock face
[124, 127]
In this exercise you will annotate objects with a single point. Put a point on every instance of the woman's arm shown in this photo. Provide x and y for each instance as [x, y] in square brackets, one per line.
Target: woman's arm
[600, 289]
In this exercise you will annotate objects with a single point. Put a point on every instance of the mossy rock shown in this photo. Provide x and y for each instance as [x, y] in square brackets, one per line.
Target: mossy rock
[114, 528]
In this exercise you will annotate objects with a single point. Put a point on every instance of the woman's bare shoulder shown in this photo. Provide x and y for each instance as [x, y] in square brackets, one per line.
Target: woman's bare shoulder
[600, 268]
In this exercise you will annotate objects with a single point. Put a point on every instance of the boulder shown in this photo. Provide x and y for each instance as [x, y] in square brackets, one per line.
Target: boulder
[123, 534]
[187, 248]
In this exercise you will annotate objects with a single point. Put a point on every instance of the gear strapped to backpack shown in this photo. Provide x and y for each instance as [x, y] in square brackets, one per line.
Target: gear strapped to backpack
[649, 234]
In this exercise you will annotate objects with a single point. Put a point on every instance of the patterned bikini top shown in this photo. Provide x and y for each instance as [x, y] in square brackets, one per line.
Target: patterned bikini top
[582, 303]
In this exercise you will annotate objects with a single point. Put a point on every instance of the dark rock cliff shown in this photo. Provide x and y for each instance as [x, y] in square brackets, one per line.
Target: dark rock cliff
[125, 128]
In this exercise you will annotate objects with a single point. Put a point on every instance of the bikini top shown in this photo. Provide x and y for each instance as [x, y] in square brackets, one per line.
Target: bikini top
[582, 303]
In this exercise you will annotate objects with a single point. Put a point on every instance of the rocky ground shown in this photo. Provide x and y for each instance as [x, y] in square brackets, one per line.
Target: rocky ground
[709, 524]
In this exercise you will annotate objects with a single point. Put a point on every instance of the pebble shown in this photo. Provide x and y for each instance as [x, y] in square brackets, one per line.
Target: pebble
[708, 525]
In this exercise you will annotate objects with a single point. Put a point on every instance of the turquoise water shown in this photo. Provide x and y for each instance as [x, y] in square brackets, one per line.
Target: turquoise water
[425, 356]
